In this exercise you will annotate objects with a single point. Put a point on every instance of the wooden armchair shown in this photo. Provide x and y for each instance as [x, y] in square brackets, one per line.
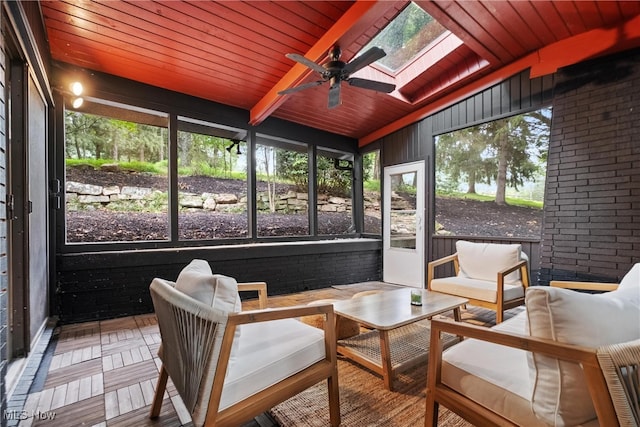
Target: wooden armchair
[489, 275]
[482, 381]
[229, 367]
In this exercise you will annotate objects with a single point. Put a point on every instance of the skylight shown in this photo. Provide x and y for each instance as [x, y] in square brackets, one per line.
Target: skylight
[405, 37]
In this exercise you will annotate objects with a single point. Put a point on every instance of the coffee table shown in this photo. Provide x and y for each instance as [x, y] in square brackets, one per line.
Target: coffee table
[398, 340]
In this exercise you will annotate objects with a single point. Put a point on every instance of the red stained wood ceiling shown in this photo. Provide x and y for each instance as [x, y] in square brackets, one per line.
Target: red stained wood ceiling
[233, 52]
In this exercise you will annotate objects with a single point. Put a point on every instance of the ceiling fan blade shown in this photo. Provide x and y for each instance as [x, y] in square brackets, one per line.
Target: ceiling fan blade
[334, 95]
[307, 62]
[372, 85]
[370, 56]
[301, 87]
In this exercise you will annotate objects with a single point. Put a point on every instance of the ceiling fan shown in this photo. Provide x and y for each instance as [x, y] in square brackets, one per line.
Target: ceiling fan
[336, 71]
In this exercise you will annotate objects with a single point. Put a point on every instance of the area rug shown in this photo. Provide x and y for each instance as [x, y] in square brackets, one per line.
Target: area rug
[364, 401]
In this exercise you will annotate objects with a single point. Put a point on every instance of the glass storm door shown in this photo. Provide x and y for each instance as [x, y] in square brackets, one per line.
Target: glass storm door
[403, 241]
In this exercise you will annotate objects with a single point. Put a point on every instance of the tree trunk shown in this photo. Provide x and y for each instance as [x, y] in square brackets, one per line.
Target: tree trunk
[501, 181]
[472, 183]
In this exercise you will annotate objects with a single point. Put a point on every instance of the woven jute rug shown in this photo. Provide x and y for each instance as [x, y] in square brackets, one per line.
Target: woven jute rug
[364, 401]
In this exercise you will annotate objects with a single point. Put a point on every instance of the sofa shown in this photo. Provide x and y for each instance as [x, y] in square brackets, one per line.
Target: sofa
[541, 367]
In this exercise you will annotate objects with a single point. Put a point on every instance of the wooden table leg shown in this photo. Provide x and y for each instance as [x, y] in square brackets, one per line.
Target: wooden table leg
[456, 314]
[385, 353]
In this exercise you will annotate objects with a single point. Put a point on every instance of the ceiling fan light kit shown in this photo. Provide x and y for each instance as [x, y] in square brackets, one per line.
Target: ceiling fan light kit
[336, 71]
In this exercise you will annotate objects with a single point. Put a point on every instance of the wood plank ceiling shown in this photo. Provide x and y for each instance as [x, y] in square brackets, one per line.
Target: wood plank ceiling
[233, 52]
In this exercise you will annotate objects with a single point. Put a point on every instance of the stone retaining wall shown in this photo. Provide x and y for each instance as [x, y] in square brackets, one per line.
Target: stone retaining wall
[81, 196]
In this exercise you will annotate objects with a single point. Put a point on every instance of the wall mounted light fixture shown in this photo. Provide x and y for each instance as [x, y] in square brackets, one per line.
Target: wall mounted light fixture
[77, 89]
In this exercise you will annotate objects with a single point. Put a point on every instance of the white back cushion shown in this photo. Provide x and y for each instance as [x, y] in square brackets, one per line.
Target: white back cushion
[560, 392]
[632, 278]
[215, 290]
[484, 260]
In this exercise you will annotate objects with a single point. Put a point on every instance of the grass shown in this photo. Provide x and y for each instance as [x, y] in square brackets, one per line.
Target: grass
[134, 166]
[372, 185]
[532, 204]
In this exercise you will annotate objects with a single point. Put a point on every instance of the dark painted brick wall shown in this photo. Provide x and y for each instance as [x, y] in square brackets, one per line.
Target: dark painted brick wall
[106, 285]
[592, 202]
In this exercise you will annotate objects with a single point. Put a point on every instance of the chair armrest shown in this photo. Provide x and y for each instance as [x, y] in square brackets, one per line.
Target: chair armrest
[543, 346]
[261, 287]
[254, 316]
[586, 286]
[431, 266]
[443, 260]
[523, 266]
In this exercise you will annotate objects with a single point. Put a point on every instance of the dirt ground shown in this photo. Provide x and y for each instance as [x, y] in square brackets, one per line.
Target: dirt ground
[457, 216]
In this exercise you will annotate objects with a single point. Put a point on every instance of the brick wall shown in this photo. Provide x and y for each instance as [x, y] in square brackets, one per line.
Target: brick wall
[592, 202]
[105, 285]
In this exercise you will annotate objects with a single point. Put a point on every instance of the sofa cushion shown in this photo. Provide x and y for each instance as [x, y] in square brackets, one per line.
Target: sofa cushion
[493, 375]
[477, 289]
[215, 290]
[483, 261]
[591, 320]
[259, 363]
[631, 279]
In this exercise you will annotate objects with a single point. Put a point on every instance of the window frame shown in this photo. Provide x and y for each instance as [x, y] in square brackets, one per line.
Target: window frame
[290, 133]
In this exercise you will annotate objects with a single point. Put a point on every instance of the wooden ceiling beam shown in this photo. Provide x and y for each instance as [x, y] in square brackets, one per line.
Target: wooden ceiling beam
[585, 46]
[361, 16]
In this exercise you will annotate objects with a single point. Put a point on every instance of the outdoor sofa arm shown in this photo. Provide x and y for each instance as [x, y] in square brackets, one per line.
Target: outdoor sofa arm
[261, 287]
[431, 266]
[477, 414]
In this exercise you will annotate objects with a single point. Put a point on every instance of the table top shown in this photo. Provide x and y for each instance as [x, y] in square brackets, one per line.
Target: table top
[391, 309]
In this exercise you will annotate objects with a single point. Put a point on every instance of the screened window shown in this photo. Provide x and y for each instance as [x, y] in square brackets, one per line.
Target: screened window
[334, 192]
[115, 173]
[490, 178]
[282, 193]
[212, 181]
[371, 178]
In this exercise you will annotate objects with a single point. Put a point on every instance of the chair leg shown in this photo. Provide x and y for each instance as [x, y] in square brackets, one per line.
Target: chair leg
[499, 315]
[431, 411]
[160, 388]
[334, 400]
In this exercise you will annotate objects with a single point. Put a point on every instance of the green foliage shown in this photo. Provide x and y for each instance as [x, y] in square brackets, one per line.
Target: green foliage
[133, 166]
[293, 166]
[406, 35]
[89, 136]
[372, 185]
[504, 153]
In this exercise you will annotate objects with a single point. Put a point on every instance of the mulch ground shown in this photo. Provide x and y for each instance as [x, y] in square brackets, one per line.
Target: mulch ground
[458, 217]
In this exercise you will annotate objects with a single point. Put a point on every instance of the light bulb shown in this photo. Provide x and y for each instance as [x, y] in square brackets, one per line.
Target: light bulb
[77, 102]
[76, 88]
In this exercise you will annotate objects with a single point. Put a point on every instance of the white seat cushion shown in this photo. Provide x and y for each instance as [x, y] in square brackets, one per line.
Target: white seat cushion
[496, 376]
[477, 289]
[560, 394]
[268, 352]
[492, 375]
